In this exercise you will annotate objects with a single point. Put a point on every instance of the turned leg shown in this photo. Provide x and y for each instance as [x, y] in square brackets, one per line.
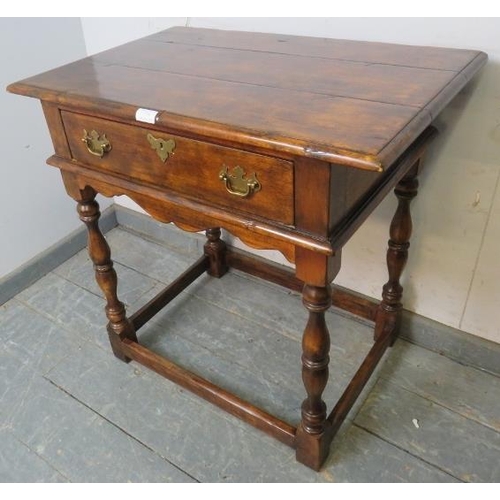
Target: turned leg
[388, 314]
[119, 327]
[215, 248]
[311, 439]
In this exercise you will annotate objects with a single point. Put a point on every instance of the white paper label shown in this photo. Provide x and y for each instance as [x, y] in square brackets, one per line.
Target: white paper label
[146, 115]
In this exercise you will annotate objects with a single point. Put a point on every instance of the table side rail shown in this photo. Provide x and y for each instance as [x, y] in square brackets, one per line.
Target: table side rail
[247, 412]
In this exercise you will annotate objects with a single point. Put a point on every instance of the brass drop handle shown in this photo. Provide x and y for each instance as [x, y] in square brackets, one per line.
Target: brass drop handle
[237, 184]
[96, 143]
[163, 147]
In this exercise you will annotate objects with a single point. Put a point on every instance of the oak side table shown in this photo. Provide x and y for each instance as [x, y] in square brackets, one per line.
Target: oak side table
[287, 142]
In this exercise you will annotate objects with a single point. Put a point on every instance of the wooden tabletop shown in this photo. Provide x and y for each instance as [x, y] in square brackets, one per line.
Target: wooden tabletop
[348, 102]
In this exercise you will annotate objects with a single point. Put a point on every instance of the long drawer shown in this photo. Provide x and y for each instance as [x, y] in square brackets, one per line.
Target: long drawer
[222, 176]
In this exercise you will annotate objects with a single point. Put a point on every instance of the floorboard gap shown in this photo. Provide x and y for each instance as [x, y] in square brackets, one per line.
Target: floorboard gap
[437, 403]
[120, 428]
[444, 471]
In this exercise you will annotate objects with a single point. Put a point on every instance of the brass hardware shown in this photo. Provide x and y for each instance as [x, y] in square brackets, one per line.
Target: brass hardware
[237, 184]
[163, 147]
[96, 144]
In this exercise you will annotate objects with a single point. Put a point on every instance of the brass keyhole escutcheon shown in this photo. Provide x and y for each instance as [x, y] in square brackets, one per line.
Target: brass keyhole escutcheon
[97, 144]
[163, 147]
[237, 183]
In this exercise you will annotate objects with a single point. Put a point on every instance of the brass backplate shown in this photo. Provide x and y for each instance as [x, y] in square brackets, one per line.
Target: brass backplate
[163, 147]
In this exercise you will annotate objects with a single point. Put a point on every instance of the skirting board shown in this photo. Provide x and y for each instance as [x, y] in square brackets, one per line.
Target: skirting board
[450, 342]
[44, 262]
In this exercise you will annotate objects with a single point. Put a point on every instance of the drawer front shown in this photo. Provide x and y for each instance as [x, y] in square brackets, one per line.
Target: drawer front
[239, 180]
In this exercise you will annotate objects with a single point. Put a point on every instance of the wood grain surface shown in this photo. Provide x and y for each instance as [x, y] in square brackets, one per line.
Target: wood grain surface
[351, 103]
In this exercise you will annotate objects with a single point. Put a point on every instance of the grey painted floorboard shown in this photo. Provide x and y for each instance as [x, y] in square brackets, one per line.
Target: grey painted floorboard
[20, 464]
[448, 440]
[168, 235]
[131, 284]
[74, 442]
[261, 357]
[462, 389]
[70, 411]
[359, 456]
[82, 445]
[147, 257]
[75, 309]
[199, 438]
[212, 445]
[34, 339]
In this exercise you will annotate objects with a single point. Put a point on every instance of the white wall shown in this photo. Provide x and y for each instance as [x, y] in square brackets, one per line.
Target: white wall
[453, 275]
[35, 211]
